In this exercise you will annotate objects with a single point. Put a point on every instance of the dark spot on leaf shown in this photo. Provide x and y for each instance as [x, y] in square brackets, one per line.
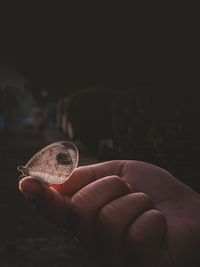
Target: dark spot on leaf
[63, 159]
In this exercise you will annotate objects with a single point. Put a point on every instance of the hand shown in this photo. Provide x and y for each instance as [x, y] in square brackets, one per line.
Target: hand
[129, 213]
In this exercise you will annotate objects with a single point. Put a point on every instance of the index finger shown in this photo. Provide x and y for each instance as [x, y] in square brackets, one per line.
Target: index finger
[85, 175]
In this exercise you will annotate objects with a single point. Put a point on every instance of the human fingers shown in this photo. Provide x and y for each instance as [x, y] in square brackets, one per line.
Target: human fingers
[146, 238]
[85, 175]
[85, 204]
[129, 230]
[115, 217]
[46, 199]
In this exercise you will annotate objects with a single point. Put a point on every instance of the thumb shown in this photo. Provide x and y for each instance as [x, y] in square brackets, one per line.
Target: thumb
[47, 200]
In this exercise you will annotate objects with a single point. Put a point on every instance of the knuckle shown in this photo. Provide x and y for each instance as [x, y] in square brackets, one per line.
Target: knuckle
[75, 204]
[149, 228]
[144, 198]
[105, 215]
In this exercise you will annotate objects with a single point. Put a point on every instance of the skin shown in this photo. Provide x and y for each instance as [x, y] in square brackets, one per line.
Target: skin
[126, 213]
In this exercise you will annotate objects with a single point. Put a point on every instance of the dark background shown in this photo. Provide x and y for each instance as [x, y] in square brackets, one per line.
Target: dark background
[146, 59]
